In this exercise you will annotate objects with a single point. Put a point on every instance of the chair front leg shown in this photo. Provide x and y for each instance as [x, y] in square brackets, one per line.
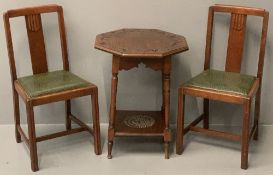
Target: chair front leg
[245, 135]
[32, 137]
[16, 116]
[96, 121]
[180, 122]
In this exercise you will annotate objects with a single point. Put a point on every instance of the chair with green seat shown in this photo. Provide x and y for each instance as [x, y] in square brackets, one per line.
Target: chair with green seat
[228, 86]
[46, 87]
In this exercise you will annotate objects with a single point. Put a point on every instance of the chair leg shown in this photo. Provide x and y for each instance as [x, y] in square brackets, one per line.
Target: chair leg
[96, 122]
[206, 114]
[111, 132]
[32, 137]
[16, 116]
[257, 114]
[110, 146]
[245, 135]
[180, 122]
[67, 114]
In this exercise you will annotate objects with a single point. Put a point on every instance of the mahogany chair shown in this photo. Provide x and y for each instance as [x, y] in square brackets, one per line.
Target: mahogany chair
[230, 85]
[46, 87]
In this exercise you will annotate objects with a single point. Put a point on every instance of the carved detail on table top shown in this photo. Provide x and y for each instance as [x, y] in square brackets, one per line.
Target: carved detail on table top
[141, 43]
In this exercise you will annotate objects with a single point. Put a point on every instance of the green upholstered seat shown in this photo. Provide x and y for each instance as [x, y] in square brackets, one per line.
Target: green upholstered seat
[223, 81]
[51, 82]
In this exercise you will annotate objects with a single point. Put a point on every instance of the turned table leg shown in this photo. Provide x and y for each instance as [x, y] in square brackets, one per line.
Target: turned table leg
[166, 100]
[111, 132]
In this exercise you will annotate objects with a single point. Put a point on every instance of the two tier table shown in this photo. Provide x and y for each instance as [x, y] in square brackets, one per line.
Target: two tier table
[129, 48]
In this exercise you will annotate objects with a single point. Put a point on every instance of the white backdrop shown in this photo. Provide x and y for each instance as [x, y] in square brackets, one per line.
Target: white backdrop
[139, 88]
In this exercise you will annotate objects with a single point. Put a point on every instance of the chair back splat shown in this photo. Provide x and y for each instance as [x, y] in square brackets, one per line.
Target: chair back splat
[36, 37]
[237, 30]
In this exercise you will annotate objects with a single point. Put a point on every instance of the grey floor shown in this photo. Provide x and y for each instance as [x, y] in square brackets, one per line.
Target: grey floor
[134, 156]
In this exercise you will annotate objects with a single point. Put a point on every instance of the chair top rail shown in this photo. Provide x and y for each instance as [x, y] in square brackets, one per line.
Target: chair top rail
[33, 10]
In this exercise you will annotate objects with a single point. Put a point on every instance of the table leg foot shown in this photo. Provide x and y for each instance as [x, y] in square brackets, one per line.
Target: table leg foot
[166, 149]
[110, 146]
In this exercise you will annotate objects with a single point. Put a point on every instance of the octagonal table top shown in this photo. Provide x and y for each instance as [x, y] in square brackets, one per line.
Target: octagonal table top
[152, 43]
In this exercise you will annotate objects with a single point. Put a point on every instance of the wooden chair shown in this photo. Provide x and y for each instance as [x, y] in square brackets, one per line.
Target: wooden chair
[45, 87]
[228, 86]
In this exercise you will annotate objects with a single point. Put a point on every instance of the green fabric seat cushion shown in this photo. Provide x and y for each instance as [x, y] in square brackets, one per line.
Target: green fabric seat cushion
[51, 82]
[223, 81]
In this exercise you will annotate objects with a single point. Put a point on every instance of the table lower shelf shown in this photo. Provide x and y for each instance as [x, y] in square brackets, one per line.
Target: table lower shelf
[139, 123]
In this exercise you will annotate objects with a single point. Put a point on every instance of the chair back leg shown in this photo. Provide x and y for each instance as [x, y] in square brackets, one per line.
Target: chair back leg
[206, 114]
[16, 116]
[67, 114]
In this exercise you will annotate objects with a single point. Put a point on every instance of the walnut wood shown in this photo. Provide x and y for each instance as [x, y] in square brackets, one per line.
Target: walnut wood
[39, 65]
[131, 47]
[233, 64]
[214, 133]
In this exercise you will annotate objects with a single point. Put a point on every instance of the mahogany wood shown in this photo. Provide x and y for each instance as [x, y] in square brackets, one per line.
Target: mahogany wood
[154, 49]
[233, 64]
[39, 65]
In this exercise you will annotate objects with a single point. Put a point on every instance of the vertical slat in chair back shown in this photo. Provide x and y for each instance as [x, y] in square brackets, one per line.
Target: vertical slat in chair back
[36, 43]
[35, 37]
[236, 35]
[236, 42]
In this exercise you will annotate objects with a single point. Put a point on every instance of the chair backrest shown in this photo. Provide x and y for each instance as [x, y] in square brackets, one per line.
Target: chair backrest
[35, 37]
[236, 36]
